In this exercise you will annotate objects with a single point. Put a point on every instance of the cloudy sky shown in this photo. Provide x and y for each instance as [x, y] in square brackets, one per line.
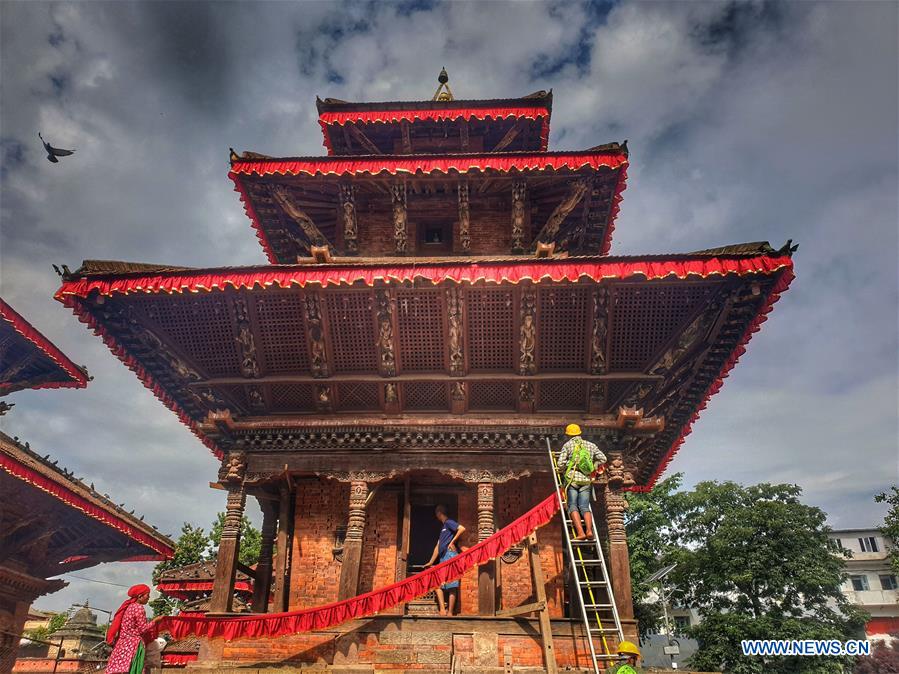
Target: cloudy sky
[746, 122]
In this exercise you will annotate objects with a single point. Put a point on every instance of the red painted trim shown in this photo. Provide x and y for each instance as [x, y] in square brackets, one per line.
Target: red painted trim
[326, 119]
[29, 332]
[427, 164]
[178, 659]
[322, 617]
[67, 496]
[783, 282]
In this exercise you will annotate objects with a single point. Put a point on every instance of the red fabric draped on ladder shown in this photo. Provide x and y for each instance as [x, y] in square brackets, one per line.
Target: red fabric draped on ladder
[322, 617]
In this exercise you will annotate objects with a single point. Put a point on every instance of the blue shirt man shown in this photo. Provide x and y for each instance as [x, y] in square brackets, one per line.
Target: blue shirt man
[444, 550]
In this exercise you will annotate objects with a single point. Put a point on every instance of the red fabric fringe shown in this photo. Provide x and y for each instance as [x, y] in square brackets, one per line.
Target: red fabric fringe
[395, 116]
[183, 590]
[461, 272]
[323, 617]
[463, 163]
[178, 659]
[72, 499]
[29, 332]
[783, 282]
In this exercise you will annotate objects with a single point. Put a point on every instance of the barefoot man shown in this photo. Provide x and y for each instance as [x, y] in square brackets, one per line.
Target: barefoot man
[578, 460]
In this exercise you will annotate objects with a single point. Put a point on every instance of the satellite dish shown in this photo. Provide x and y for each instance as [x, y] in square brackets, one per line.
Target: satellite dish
[661, 573]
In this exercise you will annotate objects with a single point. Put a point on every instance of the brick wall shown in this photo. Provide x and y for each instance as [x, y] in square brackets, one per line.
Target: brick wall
[322, 506]
[516, 588]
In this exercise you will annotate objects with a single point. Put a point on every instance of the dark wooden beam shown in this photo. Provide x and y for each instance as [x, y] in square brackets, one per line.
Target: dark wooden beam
[572, 198]
[407, 140]
[363, 140]
[511, 134]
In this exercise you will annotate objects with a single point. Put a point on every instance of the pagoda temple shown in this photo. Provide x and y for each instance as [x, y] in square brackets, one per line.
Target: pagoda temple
[439, 302]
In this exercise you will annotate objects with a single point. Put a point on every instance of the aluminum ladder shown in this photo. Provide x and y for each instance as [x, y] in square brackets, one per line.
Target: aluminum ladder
[599, 612]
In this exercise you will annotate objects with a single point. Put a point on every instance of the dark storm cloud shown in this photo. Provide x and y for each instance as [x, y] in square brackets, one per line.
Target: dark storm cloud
[747, 121]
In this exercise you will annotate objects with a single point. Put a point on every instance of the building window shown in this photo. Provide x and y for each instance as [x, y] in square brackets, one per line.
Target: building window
[888, 582]
[859, 583]
[835, 544]
[868, 544]
[681, 624]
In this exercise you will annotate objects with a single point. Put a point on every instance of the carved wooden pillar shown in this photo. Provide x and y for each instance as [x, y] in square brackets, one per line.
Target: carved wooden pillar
[455, 312]
[352, 545]
[282, 558]
[318, 362]
[527, 340]
[464, 219]
[229, 547]
[619, 558]
[384, 309]
[263, 585]
[350, 227]
[400, 228]
[486, 572]
[519, 196]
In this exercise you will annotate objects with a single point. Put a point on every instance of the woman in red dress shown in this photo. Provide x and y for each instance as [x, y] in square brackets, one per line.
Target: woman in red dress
[126, 633]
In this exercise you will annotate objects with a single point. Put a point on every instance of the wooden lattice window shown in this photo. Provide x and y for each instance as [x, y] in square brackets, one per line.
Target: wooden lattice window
[492, 395]
[352, 331]
[615, 393]
[283, 337]
[491, 337]
[645, 317]
[236, 393]
[293, 397]
[425, 395]
[562, 395]
[201, 327]
[420, 320]
[357, 396]
[564, 316]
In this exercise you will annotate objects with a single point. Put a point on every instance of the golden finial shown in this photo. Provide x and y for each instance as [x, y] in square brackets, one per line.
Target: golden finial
[440, 94]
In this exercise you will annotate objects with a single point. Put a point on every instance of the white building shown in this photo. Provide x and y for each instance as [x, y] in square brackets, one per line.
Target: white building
[871, 583]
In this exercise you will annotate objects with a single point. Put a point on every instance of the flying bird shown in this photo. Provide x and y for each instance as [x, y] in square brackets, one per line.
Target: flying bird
[54, 152]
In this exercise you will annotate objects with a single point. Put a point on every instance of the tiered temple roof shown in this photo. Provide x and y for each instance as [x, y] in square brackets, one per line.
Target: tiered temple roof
[30, 360]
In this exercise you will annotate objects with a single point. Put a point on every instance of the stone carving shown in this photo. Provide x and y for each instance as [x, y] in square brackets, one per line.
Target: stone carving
[358, 498]
[400, 233]
[519, 193]
[454, 310]
[386, 352]
[318, 360]
[249, 367]
[599, 332]
[464, 218]
[528, 338]
[348, 208]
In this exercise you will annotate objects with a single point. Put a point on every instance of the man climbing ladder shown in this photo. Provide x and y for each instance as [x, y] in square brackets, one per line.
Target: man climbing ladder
[579, 459]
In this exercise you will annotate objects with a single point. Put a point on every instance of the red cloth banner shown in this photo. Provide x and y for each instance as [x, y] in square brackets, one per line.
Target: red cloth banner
[183, 590]
[28, 331]
[322, 617]
[23, 472]
[178, 659]
[414, 115]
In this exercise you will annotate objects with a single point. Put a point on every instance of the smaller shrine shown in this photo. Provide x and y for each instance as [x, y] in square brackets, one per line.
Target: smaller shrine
[80, 645]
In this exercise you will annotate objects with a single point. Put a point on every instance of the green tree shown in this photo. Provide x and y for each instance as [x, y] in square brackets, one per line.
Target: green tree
[755, 561]
[651, 542]
[890, 526]
[250, 539]
[57, 620]
[192, 546]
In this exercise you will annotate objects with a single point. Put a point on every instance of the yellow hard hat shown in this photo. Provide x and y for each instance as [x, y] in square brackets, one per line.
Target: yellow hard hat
[572, 429]
[628, 647]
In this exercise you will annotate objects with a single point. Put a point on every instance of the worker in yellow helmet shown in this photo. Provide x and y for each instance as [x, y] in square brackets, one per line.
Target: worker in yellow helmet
[631, 654]
[579, 460]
